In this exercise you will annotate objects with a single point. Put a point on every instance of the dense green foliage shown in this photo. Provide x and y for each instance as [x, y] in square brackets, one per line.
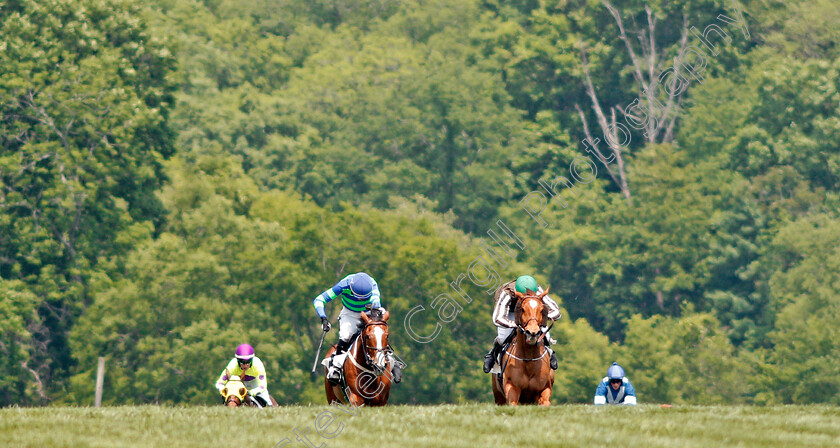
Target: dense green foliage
[181, 176]
[84, 100]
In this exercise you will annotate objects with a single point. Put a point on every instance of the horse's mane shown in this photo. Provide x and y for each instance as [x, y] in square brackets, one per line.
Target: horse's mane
[377, 317]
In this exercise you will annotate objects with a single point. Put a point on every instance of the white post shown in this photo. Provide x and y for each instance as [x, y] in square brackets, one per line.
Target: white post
[100, 378]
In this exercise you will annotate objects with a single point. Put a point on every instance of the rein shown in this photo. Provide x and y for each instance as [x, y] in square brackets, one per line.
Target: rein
[544, 352]
[368, 359]
[521, 329]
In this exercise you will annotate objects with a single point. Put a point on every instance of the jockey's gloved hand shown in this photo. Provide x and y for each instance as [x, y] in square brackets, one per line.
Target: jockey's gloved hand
[325, 324]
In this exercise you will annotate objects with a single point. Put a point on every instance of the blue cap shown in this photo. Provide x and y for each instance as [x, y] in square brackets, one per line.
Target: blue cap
[615, 372]
[361, 285]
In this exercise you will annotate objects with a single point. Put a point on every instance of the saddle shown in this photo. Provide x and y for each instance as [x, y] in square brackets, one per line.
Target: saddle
[338, 360]
[498, 368]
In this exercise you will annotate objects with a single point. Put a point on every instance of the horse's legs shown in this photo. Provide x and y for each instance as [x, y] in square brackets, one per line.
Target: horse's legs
[381, 399]
[545, 397]
[498, 395]
[329, 389]
[333, 393]
[512, 393]
[355, 399]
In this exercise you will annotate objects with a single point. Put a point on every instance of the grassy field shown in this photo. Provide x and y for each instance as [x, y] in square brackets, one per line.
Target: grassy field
[470, 426]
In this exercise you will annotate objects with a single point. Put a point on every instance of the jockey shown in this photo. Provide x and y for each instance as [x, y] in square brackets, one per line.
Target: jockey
[505, 318]
[615, 388]
[251, 371]
[356, 291]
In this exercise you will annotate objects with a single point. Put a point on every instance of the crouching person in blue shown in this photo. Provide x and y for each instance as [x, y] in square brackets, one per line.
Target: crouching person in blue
[615, 388]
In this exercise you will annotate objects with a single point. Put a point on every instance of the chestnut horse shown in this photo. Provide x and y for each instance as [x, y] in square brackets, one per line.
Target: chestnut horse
[236, 394]
[367, 369]
[526, 371]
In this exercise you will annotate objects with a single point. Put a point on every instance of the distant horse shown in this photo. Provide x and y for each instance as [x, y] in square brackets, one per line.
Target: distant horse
[526, 375]
[366, 377]
[236, 394]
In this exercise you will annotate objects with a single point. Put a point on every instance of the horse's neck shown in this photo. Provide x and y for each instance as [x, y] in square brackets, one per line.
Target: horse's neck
[527, 350]
[357, 351]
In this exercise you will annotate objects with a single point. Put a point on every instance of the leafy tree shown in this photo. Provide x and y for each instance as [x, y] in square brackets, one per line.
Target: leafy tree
[83, 131]
[579, 369]
[802, 29]
[804, 354]
[17, 307]
[685, 360]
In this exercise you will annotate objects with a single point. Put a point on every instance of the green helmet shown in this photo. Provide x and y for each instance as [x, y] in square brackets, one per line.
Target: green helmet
[525, 283]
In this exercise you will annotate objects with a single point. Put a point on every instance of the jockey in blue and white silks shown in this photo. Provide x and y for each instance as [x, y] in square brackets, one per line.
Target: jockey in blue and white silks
[615, 388]
[356, 292]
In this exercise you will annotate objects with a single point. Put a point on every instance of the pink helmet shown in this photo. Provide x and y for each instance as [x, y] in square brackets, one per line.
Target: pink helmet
[245, 352]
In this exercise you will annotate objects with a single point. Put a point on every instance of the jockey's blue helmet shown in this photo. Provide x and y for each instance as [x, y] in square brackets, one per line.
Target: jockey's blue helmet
[361, 285]
[615, 372]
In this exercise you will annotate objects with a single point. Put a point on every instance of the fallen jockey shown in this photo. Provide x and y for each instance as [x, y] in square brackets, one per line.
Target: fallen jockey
[615, 388]
[504, 316]
[251, 371]
[356, 292]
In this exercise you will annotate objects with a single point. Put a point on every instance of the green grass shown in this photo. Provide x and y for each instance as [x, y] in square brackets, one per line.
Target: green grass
[472, 426]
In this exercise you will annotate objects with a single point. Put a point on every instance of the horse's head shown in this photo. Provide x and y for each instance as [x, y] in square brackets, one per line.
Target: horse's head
[234, 392]
[531, 314]
[375, 340]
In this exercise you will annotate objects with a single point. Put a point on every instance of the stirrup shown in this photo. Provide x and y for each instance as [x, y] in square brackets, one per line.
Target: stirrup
[334, 376]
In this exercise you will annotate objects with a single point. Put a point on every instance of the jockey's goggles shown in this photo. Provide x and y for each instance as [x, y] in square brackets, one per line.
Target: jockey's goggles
[615, 380]
[245, 361]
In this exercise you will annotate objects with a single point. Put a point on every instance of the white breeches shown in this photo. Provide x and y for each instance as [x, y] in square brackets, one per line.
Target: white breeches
[349, 322]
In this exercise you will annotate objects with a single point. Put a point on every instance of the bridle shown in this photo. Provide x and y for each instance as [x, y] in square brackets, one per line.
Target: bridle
[369, 363]
[521, 327]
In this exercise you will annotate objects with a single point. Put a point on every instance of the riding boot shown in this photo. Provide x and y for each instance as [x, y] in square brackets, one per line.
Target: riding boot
[397, 372]
[553, 356]
[341, 347]
[334, 373]
[490, 357]
[260, 401]
[256, 401]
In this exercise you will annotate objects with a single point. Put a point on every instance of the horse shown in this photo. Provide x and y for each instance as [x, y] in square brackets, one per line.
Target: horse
[236, 394]
[526, 375]
[367, 368]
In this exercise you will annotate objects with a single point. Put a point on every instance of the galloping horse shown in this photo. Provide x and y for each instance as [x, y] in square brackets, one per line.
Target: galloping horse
[236, 394]
[367, 370]
[526, 371]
